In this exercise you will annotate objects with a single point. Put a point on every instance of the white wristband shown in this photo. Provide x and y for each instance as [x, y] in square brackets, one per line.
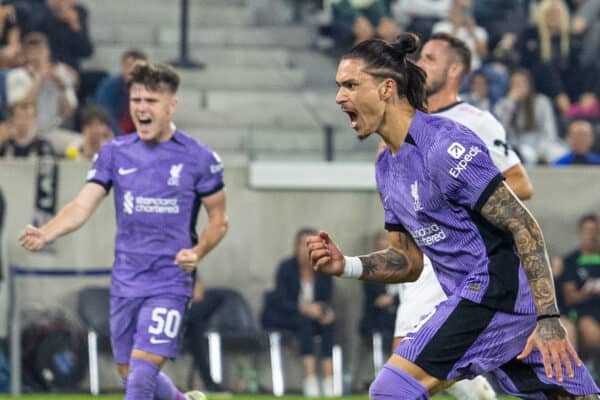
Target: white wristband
[353, 268]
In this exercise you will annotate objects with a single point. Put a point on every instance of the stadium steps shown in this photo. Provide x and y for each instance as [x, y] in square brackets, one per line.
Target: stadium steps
[199, 15]
[242, 78]
[261, 107]
[275, 36]
[108, 56]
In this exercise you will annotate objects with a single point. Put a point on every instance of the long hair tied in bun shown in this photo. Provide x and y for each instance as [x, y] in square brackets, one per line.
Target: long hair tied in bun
[390, 61]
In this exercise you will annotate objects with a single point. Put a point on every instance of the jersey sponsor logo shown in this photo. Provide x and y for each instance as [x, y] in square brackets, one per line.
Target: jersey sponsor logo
[464, 162]
[414, 191]
[218, 167]
[127, 171]
[128, 203]
[175, 172]
[428, 235]
[456, 150]
[155, 340]
[91, 173]
[149, 205]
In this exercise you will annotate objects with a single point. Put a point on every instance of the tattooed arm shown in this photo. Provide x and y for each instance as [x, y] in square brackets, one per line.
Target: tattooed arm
[401, 262]
[503, 210]
[506, 212]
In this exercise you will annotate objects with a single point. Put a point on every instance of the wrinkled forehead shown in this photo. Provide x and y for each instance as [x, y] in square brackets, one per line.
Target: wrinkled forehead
[436, 50]
[141, 90]
[351, 69]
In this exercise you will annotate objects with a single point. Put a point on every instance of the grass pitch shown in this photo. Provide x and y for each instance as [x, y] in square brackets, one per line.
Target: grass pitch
[210, 397]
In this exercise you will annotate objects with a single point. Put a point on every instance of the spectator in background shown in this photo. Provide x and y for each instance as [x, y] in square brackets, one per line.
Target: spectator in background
[580, 135]
[20, 129]
[113, 95]
[354, 21]
[462, 25]
[302, 303]
[380, 302]
[420, 16]
[54, 83]
[568, 315]
[528, 118]
[66, 26]
[203, 306]
[478, 94]
[95, 132]
[551, 51]
[581, 284]
[10, 37]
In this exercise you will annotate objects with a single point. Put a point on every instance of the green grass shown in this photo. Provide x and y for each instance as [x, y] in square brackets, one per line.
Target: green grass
[215, 397]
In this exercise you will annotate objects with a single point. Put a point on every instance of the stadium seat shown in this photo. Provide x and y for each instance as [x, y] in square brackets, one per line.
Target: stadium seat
[93, 305]
[232, 324]
[276, 338]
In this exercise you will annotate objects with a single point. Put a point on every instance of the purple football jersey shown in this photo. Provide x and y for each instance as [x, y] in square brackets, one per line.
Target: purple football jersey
[157, 193]
[434, 188]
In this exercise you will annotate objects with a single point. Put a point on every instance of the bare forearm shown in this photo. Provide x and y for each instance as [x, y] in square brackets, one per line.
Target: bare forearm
[69, 219]
[210, 237]
[504, 211]
[389, 266]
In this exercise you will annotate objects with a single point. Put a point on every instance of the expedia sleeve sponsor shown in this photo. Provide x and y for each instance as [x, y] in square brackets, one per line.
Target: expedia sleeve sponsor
[462, 170]
[211, 174]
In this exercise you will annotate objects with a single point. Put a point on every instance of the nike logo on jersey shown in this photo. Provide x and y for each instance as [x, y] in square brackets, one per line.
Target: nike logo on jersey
[154, 340]
[124, 171]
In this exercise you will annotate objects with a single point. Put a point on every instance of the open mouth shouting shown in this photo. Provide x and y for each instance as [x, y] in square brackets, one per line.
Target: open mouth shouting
[353, 115]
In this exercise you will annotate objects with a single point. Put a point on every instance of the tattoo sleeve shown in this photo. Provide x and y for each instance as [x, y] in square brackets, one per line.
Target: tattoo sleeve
[400, 263]
[506, 212]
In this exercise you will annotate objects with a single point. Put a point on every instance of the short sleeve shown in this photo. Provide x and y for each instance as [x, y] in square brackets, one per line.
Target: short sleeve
[494, 136]
[102, 168]
[461, 166]
[211, 173]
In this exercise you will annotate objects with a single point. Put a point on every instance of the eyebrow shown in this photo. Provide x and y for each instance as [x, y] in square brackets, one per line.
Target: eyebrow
[347, 81]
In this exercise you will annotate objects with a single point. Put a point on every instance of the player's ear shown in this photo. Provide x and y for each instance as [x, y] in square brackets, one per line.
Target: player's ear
[173, 104]
[387, 89]
[455, 70]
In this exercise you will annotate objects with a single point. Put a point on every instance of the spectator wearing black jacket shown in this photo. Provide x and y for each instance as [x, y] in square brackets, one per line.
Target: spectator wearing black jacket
[302, 303]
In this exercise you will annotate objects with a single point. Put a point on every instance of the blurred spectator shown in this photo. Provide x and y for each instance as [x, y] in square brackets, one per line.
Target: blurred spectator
[568, 315]
[354, 21]
[580, 136]
[529, 120]
[95, 132]
[552, 53]
[462, 25]
[302, 303]
[113, 94]
[10, 37]
[586, 22]
[420, 16]
[380, 302]
[587, 107]
[581, 284]
[204, 305]
[66, 26]
[478, 94]
[21, 132]
[54, 83]
[500, 18]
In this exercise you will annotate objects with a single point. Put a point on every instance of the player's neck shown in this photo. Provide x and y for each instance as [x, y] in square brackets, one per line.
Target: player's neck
[442, 99]
[168, 133]
[394, 128]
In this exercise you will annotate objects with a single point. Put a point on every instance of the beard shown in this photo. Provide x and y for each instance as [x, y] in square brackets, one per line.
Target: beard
[437, 84]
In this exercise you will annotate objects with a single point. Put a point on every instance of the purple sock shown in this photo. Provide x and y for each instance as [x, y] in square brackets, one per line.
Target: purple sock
[141, 382]
[165, 389]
